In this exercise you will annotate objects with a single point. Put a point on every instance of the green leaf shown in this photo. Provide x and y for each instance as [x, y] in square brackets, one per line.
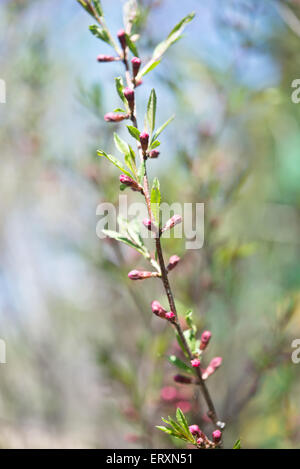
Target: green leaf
[151, 113]
[155, 199]
[148, 68]
[100, 33]
[141, 172]
[130, 161]
[154, 144]
[165, 429]
[121, 145]
[189, 318]
[114, 161]
[159, 131]
[120, 88]
[119, 109]
[132, 46]
[173, 36]
[98, 7]
[179, 364]
[86, 6]
[237, 444]
[180, 343]
[134, 132]
[181, 419]
[123, 239]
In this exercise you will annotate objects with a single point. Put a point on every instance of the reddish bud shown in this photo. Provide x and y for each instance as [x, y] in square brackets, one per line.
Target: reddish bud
[212, 367]
[141, 275]
[144, 139]
[122, 38]
[175, 220]
[153, 153]
[136, 64]
[170, 315]
[182, 379]
[158, 309]
[112, 117]
[195, 362]
[105, 58]
[194, 429]
[173, 261]
[129, 95]
[200, 441]
[216, 435]
[205, 338]
[128, 181]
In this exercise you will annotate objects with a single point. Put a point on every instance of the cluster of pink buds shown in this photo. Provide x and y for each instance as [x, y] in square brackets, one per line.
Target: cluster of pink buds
[129, 182]
[201, 438]
[142, 274]
[212, 367]
[144, 139]
[106, 58]
[173, 261]
[175, 220]
[205, 338]
[115, 117]
[160, 311]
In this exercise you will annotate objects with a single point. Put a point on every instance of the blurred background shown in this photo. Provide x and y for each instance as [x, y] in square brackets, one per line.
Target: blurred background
[86, 361]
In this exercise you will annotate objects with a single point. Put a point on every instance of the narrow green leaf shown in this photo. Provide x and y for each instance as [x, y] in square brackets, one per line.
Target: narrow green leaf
[151, 65]
[172, 37]
[119, 109]
[151, 112]
[237, 444]
[180, 343]
[100, 33]
[121, 145]
[119, 237]
[189, 318]
[179, 364]
[98, 7]
[134, 132]
[155, 199]
[132, 46]
[114, 161]
[130, 161]
[154, 144]
[181, 419]
[141, 172]
[164, 429]
[120, 88]
[86, 6]
[159, 131]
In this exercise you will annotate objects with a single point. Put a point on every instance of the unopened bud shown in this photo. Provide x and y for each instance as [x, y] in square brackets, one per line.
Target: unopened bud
[153, 153]
[170, 315]
[216, 435]
[105, 58]
[205, 338]
[144, 139]
[128, 181]
[182, 379]
[149, 225]
[122, 38]
[141, 275]
[212, 367]
[195, 363]
[129, 95]
[175, 220]
[173, 261]
[194, 429]
[200, 441]
[136, 64]
[113, 117]
[158, 309]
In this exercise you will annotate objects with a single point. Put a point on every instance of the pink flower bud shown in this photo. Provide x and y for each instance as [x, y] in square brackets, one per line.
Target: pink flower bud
[195, 362]
[205, 338]
[216, 435]
[158, 309]
[170, 315]
[200, 441]
[173, 261]
[105, 58]
[212, 367]
[141, 275]
[128, 181]
[182, 379]
[136, 64]
[113, 117]
[194, 429]
[129, 95]
[153, 154]
[149, 225]
[144, 139]
[122, 38]
[175, 220]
